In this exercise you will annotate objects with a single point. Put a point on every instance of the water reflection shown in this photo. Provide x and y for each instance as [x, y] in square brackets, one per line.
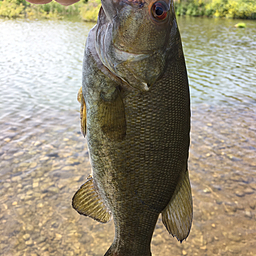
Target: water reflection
[44, 159]
[221, 60]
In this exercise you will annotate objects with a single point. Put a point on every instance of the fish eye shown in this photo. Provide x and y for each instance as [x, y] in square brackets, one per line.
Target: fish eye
[159, 11]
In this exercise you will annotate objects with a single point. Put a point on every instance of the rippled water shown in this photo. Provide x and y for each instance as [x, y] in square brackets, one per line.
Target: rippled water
[44, 159]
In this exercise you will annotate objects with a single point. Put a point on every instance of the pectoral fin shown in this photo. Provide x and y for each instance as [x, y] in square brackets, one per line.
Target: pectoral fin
[112, 115]
[87, 201]
[80, 98]
[178, 214]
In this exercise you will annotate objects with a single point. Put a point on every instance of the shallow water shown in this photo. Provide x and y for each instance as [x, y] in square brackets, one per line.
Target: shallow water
[44, 158]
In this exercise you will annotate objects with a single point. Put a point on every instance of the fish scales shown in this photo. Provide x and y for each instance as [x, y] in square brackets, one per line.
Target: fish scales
[137, 133]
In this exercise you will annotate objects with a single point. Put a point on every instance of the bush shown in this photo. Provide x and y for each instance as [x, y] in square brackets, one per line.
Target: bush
[11, 9]
[21, 8]
[242, 9]
[89, 12]
[190, 8]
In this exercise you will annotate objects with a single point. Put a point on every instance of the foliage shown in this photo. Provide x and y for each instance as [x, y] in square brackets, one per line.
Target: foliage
[89, 12]
[189, 7]
[11, 9]
[243, 9]
[21, 8]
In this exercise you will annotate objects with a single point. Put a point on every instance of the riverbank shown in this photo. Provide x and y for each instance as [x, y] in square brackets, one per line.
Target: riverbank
[12, 9]
[44, 162]
[234, 9]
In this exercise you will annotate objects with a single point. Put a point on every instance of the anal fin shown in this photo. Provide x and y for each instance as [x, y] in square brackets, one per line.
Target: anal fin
[178, 214]
[87, 201]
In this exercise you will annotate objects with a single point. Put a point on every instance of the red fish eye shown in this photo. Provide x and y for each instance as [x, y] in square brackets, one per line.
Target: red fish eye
[159, 11]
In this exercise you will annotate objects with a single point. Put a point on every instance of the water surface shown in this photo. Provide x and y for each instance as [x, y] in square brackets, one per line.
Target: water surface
[44, 158]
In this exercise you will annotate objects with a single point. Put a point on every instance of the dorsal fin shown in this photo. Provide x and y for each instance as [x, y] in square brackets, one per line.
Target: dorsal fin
[177, 215]
[87, 201]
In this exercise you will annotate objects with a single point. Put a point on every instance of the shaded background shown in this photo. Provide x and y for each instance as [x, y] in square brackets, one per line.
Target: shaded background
[44, 158]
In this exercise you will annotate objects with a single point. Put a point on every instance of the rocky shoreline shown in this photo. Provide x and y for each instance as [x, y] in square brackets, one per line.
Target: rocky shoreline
[43, 163]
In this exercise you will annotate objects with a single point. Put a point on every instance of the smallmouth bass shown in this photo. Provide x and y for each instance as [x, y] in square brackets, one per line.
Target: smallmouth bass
[135, 113]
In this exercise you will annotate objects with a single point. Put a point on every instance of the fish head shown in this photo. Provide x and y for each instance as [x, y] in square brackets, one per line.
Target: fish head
[134, 38]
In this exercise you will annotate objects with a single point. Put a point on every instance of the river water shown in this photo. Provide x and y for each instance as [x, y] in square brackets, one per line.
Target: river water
[44, 158]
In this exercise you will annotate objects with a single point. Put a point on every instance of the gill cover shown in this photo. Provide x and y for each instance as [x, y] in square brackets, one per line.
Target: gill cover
[134, 38]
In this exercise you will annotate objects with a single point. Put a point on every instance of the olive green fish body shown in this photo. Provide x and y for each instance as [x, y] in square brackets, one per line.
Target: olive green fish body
[138, 140]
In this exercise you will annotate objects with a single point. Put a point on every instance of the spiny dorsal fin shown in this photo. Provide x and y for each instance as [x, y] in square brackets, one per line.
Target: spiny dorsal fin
[80, 98]
[112, 115]
[87, 201]
[178, 214]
